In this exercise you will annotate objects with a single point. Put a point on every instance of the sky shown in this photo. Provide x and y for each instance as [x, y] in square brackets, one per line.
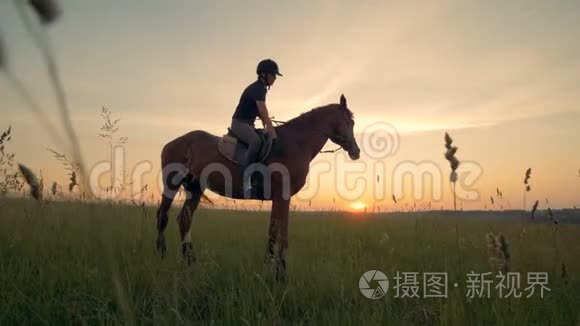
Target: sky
[503, 78]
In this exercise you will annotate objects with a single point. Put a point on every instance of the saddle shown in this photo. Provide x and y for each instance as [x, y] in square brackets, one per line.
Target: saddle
[234, 149]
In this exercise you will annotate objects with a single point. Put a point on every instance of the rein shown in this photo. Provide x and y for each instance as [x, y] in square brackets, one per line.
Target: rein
[280, 122]
[331, 150]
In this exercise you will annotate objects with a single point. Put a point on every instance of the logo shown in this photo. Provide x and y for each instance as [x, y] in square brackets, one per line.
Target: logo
[374, 278]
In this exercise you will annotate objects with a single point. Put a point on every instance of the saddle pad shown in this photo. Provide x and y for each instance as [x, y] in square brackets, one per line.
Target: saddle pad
[227, 145]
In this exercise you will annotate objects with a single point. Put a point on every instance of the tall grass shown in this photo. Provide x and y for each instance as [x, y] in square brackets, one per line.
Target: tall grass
[47, 12]
[109, 131]
[10, 180]
[78, 263]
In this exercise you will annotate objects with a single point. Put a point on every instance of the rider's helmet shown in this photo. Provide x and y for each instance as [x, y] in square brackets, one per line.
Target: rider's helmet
[268, 66]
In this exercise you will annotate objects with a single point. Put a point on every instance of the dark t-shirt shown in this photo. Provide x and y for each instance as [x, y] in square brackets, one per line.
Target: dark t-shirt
[247, 108]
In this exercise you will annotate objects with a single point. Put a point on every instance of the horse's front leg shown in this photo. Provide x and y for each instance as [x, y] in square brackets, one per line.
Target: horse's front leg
[283, 207]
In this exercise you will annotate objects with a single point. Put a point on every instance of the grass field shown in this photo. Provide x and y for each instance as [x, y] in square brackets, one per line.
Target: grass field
[76, 263]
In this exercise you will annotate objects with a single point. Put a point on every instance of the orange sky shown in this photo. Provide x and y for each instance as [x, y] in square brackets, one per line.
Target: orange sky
[501, 78]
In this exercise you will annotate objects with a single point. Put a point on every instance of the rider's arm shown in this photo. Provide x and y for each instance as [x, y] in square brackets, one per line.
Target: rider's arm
[265, 117]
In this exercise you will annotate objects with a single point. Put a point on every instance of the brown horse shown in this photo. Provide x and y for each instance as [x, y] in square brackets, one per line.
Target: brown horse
[194, 162]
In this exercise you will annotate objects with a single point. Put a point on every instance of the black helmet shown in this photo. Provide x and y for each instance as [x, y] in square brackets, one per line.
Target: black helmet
[268, 66]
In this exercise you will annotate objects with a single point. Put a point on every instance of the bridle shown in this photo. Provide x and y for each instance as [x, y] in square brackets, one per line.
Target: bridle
[340, 141]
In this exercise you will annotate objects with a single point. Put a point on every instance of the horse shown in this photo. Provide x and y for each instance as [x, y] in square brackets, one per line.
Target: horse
[194, 162]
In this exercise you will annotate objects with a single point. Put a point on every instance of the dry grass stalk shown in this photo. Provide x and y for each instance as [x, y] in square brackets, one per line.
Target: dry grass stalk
[527, 178]
[527, 187]
[534, 208]
[9, 176]
[454, 163]
[552, 217]
[498, 198]
[6, 136]
[2, 54]
[499, 253]
[73, 181]
[41, 184]
[141, 193]
[564, 273]
[109, 130]
[73, 167]
[48, 11]
[32, 181]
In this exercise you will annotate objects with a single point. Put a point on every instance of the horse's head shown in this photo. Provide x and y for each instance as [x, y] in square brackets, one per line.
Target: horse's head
[342, 132]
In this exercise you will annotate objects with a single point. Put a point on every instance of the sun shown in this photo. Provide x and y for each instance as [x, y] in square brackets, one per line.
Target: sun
[358, 206]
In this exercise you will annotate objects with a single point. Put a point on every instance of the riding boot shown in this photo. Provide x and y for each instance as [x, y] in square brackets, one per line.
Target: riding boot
[256, 182]
[248, 184]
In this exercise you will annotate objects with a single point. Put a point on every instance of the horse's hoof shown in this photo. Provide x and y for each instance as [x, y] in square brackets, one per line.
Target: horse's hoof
[188, 255]
[269, 257]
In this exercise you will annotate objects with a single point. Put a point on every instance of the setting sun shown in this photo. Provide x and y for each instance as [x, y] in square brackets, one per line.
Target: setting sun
[192, 170]
[358, 206]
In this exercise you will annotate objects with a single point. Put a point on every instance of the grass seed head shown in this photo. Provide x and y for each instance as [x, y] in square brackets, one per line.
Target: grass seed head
[32, 181]
[450, 156]
[498, 249]
[528, 175]
[73, 181]
[47, 11]
[448, 141]
[534, 208]
[564, 273]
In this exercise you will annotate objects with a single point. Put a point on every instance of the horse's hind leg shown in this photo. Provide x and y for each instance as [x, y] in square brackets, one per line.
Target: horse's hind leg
[162, 220]
[185, 217]
[169, 191]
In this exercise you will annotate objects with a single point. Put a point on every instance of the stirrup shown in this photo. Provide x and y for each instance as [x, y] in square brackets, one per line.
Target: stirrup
[252, 187]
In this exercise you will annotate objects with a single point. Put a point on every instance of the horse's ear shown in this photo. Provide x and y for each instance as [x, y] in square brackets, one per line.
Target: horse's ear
[343, 101]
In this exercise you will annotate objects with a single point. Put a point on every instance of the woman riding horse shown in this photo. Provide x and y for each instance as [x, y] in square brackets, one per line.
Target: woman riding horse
[253, 104]
[193, 161]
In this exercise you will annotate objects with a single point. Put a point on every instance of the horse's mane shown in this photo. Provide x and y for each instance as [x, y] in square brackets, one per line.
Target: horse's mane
[310, 118]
